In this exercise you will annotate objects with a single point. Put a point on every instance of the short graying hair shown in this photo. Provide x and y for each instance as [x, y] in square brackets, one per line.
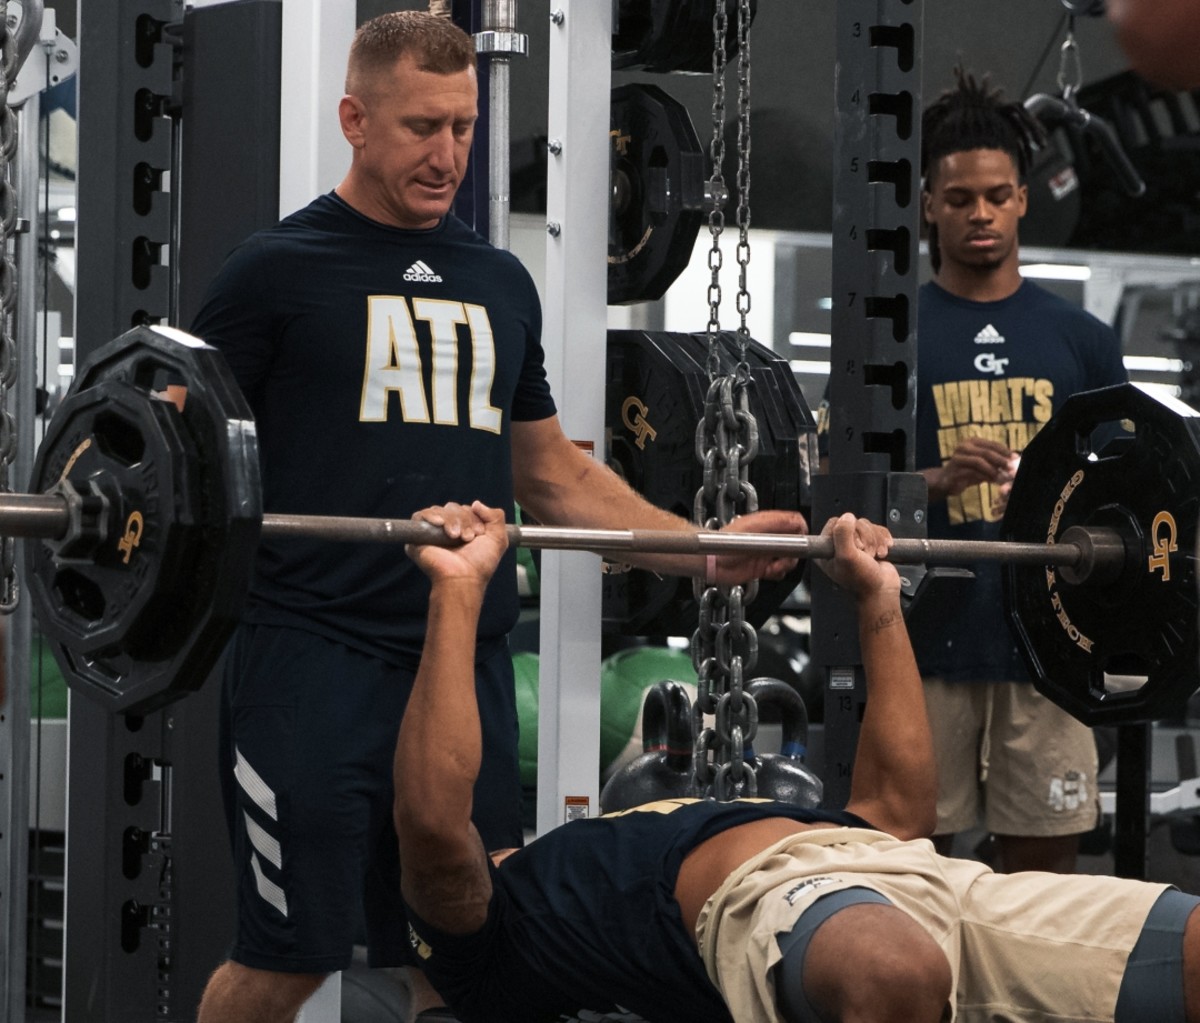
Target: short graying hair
[435, 43]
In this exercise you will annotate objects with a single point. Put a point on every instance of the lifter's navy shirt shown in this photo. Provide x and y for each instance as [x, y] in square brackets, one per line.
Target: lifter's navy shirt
[584, 921]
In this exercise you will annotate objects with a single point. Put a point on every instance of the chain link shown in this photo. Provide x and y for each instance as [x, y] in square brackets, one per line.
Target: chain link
[1070, 64]
[716, 182]
[8, 300]
[725, 645]
[743, 173]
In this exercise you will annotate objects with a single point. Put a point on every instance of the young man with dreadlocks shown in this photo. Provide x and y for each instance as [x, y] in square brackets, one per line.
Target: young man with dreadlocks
[996, 357]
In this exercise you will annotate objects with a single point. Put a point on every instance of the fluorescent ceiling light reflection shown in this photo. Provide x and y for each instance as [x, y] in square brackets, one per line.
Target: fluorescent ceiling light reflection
[1153, 364]
[806, 339]
[1056, 272]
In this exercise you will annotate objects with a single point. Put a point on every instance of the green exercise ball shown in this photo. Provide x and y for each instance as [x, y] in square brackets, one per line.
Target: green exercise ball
[624, 679]
[525, 675]
[48, 687]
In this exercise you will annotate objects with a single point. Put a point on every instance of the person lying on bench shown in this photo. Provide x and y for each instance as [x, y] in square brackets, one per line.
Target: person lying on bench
[753, 910]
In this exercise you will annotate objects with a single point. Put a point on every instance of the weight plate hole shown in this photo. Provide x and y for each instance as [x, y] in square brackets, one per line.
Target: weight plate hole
[1110, 439]
[119, 439]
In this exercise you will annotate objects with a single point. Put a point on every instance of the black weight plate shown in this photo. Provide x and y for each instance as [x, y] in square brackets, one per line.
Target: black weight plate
[695, 41]
[664, 36]
[655, 391]
[633, 28]
[122, 594]
[658, 173]
[668, 43]
[1083, 469]
[187, 594]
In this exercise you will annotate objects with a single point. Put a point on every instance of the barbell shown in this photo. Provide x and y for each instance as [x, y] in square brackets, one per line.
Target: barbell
[147, 516]
[60, 517]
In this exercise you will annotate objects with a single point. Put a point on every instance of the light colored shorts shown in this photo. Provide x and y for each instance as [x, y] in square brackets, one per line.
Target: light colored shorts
[1032, 947]
[1008, 752]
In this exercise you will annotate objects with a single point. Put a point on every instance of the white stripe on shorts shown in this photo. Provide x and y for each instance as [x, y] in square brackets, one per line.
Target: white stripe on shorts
[257, 789]
[266, 844]
[267, 888]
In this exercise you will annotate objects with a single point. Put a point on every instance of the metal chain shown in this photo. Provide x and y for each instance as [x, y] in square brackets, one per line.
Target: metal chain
[743, 173]
[8, 300]
[1070, 64]
[716, 183]
[725, 645]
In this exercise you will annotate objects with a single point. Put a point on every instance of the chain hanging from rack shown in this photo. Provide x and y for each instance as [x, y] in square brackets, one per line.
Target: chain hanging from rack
[725, 644]
[8, 298]
[1070, 64]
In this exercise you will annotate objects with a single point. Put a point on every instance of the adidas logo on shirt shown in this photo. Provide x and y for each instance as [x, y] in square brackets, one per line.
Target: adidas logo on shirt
[421, 273]
[989, 336]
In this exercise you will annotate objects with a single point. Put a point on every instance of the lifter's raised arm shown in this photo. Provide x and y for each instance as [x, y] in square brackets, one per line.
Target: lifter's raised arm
[894, 785]
[444, 871]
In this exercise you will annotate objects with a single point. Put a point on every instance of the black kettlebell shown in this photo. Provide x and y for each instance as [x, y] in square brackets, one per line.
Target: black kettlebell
[664, 768]
[784, 775]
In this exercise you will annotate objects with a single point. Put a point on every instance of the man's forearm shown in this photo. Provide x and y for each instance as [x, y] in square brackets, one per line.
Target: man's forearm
[894, 764]
[439, 751]
[592, 496]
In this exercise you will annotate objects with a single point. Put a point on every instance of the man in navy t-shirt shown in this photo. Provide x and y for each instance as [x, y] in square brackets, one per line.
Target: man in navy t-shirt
[996, 356]
[393, 360]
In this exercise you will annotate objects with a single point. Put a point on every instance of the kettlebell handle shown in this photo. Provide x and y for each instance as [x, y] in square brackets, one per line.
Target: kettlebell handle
[667, 723]
[793, 714]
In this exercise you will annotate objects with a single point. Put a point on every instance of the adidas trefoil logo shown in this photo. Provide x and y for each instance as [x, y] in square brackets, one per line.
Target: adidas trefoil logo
[420, 272]
[989, 336]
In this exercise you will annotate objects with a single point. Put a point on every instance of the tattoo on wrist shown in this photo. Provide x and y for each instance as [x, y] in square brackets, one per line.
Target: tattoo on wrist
[886, 620]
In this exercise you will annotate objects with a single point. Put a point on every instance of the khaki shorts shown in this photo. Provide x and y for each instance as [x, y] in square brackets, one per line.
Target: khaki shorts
[1029, 763]
[1029, 947]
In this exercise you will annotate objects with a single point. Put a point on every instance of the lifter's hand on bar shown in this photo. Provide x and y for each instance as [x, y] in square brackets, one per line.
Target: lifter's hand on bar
[483, 539]
[858, 565]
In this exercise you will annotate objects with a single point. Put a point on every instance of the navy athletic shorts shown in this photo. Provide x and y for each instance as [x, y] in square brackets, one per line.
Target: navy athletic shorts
[309, 728]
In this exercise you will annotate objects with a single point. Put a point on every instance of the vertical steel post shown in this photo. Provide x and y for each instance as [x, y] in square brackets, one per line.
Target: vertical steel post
[149, 876]
[314, 155]
[499, 41]
[575, 329]
[872, 400]
[15, 755]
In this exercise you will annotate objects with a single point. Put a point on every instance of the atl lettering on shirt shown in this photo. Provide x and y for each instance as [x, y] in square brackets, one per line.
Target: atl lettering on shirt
[588, 924]
[998, 370]
[384, 368]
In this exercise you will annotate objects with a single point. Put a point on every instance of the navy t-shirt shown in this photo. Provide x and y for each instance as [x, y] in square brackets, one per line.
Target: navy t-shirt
[998, 370]
[584, 921]
[384, 368]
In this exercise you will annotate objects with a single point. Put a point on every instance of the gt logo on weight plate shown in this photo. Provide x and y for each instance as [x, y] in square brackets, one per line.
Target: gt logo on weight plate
[133, 535]
[1165, 542]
